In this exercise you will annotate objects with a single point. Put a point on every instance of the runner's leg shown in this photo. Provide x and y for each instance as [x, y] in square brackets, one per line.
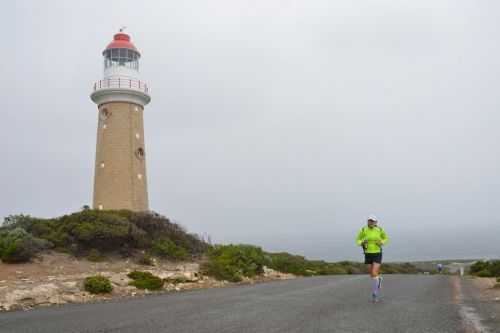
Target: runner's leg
[375, 281]
[376, 274]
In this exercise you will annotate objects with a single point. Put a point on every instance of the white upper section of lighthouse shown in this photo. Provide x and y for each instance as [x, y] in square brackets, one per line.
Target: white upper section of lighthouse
[121, 82]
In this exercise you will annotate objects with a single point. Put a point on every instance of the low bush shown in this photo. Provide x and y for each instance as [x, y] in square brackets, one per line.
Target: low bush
[145, 280]
[484, 273]
[97, 284]
[478, 266]
[486, 268]
[120, 231]
[299, 265]
[165, 248]
[17, 245]
[145, 259]
[232, 262]
[288, 263]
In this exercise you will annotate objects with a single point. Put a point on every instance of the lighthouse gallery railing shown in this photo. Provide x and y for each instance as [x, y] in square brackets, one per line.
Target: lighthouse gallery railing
[121, 83]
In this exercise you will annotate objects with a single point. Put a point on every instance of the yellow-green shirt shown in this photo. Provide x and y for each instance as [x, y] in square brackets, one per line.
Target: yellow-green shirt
[372, 235]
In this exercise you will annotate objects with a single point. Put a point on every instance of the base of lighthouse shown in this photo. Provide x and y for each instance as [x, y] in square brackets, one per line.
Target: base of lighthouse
[120, 180]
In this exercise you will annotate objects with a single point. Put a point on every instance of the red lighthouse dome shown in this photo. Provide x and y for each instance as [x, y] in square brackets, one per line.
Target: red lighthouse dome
[121, 41]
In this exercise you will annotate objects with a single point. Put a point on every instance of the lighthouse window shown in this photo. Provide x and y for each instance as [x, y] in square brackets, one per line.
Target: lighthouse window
[121, 57]
[104, 114]
[139, 153]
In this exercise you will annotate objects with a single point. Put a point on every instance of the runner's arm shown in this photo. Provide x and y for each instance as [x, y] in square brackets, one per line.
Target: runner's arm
[360, 237]
[383, 237]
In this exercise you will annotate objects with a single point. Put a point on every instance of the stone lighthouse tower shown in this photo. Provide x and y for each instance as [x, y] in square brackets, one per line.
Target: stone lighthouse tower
[120, 180]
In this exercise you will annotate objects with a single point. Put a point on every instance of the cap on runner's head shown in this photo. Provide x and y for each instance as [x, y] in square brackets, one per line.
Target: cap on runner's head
[372, 218]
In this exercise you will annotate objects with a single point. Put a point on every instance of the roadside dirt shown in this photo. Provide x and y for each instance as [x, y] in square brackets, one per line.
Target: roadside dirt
[57, 278]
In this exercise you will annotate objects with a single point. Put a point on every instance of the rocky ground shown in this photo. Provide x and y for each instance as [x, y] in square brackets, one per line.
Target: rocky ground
[489, 289]
[57, 278]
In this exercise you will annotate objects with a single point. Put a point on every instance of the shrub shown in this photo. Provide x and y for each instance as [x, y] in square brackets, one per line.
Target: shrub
[498, 279]
[289, 263]
[167, 249]
[17, 245]
[495, 268]
[232, 262]
[478, 266]
[109, 231]
[145, 259]
[97, 284]
[161, 227]
[145, 280]
[486, 268]
[484, 273]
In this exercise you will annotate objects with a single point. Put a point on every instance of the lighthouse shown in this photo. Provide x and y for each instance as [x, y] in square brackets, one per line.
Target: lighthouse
[120, 180]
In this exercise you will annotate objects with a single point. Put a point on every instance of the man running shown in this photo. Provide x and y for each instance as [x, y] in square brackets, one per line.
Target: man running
[371, 238]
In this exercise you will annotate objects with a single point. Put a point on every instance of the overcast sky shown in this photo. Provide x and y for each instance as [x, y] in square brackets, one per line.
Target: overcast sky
[277, 123]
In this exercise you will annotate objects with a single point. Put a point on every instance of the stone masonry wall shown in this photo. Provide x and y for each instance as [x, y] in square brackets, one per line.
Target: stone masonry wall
[120, 180]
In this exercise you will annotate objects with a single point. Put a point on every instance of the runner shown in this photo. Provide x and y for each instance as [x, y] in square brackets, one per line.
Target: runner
[372, 238]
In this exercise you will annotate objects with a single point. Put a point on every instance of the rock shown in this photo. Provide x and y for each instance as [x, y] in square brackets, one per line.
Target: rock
[56, 299]
[191, 276]
[41, 294]
[120, 280]
[70, 287]
[178, 277]
[72, 298]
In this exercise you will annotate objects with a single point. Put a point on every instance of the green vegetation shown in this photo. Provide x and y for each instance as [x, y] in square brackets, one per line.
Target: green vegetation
[145, 260]
[145, 280]
[486, 268]
[165, 248]
[97, 284]
[94, 232]
[299, 265]
[17, 245]
[233, 262]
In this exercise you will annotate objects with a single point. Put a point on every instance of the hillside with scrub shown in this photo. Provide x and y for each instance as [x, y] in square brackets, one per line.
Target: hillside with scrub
[109, 253]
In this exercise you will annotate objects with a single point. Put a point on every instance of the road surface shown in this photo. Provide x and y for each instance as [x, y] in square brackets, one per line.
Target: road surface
[411, 303]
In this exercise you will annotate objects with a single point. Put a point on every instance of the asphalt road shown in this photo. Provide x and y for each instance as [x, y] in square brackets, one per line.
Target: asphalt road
[411, 303]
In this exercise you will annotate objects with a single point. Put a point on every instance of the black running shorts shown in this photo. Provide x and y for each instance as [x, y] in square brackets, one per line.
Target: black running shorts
[370, 258]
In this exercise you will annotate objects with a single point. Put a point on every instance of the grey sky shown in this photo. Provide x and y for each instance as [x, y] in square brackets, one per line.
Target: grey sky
[277, 123]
